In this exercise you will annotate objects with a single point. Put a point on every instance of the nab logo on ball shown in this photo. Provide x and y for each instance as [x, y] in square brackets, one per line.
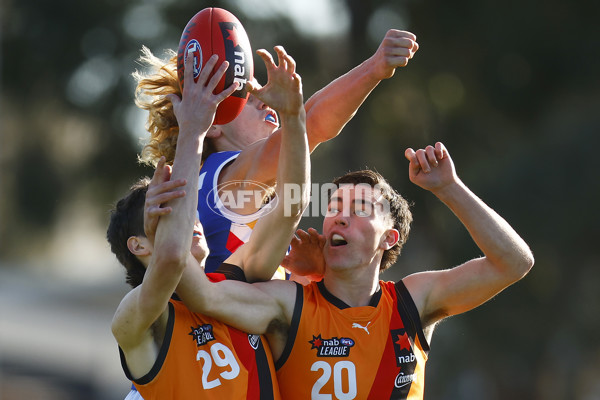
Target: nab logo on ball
[193, 49]
[234, 50]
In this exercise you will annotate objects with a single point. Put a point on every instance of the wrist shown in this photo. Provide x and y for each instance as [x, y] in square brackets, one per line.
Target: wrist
[297, 116]
[451, 191]
[374, 72]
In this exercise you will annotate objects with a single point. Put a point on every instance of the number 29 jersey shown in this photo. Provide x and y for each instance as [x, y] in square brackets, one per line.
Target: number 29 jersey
[340, 352]
[202, 358]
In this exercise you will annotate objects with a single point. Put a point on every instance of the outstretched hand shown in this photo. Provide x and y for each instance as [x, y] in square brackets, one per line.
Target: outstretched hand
[283, 91]
[395, 50]
[431, 168]
[197, 108]
[160, 190]
[306, 256]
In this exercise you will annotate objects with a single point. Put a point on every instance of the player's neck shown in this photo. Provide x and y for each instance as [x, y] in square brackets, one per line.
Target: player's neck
[354, 288]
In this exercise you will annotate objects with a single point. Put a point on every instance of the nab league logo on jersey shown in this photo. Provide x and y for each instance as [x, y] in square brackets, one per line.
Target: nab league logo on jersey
[333, 347]
[202, 334]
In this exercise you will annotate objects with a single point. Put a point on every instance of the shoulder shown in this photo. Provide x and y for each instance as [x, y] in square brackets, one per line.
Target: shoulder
[284, 292]
[219, 158]
[216, 162]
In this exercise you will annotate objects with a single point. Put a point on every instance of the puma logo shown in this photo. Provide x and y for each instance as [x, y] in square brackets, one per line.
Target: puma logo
[364, 328]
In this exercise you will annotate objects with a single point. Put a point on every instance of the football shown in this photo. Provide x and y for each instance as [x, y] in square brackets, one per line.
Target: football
[217, 31]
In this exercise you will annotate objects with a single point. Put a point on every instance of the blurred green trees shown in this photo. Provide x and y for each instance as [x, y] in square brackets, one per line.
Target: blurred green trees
[511, 88]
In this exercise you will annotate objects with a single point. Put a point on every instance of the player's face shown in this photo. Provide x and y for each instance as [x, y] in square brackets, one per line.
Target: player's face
[355, 227]
[256, 121]
[199, 246]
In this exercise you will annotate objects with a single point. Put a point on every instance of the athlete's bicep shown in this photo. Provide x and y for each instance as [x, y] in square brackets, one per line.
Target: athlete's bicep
[239, 304]
[130, 323]
[439, 294]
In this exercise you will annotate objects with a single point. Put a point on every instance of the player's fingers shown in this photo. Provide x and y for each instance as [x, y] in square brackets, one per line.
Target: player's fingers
[173, 98]
[402, 43]
[297, 82]
[282, 61]
[167, 186]
[295, 241]
[250, 86]
[431, 156]
[440, 150]
[162, 198]
[158, 171]
[315, 234]
[267, 58]
[208, 69]
[413, 166]
[396, 33]
[216, 78]
[285, 59]
[188, 68]
[415, 47]
[313, 231]
[159, 211]
[302, 235]
[421, 158]
[227, 92]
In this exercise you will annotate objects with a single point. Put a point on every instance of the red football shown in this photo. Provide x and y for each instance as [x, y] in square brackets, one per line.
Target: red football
[217, 31]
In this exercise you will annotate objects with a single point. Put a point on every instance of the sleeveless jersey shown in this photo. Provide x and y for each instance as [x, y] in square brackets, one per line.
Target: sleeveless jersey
[202, 358]
[338, 352]
[224, 230]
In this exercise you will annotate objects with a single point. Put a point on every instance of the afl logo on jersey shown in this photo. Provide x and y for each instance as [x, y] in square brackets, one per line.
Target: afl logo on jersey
[193, 49]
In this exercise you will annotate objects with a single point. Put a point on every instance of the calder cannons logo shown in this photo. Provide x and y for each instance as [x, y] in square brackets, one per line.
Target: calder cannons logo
[334, 347]
[202, 334]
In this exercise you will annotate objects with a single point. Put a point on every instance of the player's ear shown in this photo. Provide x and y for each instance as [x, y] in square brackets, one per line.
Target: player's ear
[389, 239]
[139, 246]
[214, 132]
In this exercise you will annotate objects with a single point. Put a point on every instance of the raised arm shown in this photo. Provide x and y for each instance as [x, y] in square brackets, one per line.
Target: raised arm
[171, 251]
[251, 308]
[507, 258]
[329, 109]
[271, 236]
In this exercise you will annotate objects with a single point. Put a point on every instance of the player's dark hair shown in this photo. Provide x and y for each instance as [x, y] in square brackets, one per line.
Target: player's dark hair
[399, 209]
[126, 220]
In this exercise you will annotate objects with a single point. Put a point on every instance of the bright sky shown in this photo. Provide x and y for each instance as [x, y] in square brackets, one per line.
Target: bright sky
[311, 17]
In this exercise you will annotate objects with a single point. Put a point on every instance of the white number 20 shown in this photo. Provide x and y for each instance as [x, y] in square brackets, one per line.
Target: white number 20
[340, 369]
[222, 357]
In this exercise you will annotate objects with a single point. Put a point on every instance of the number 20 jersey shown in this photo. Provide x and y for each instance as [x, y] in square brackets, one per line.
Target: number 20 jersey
[340, 352]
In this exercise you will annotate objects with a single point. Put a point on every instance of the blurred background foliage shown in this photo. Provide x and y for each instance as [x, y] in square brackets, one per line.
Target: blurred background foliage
[511, 88]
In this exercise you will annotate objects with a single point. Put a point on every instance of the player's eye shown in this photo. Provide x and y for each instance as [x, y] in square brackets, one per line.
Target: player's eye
[361, 213]
[331, 211]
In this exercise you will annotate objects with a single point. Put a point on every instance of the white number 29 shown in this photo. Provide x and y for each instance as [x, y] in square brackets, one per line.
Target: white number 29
[222, 357]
